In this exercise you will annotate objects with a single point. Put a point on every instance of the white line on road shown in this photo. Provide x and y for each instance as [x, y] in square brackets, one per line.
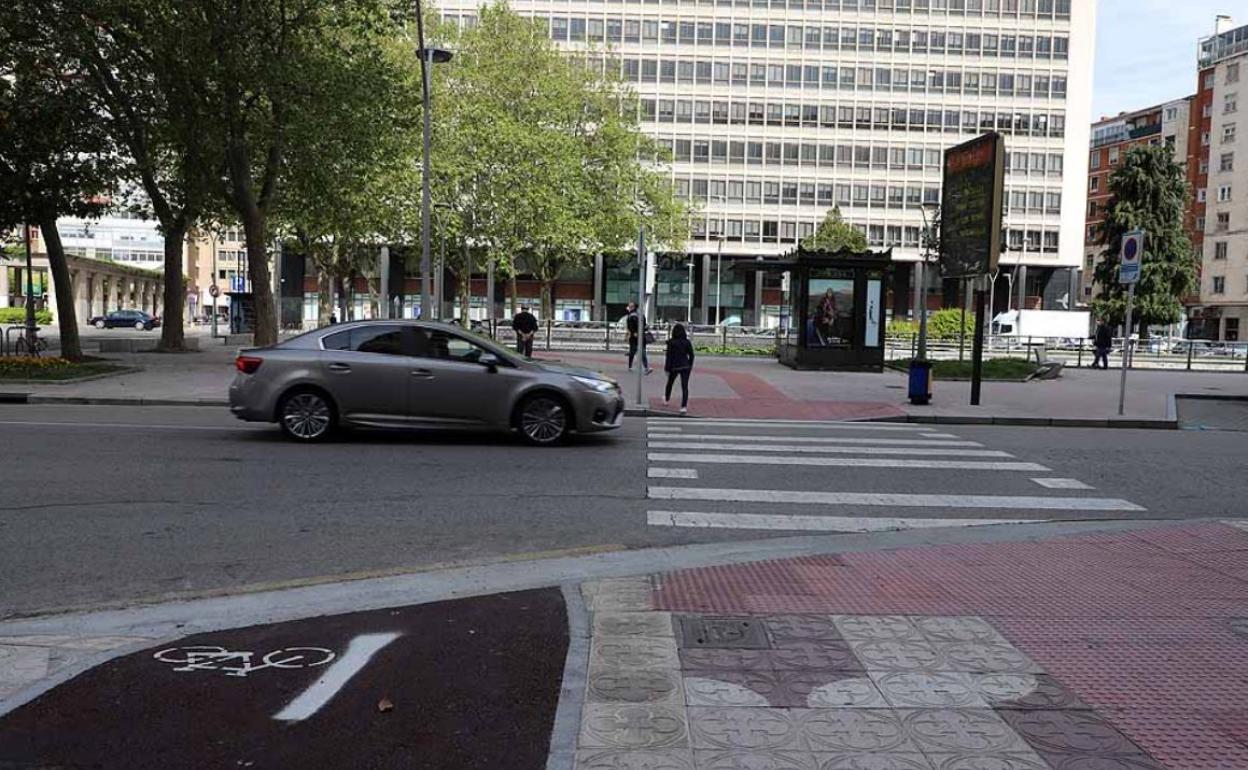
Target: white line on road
[359, 651]
[52, 423]
[853, 440]
[1010, 502]
[844, 462]
[937, 435]
[1063, 484]
[823, 448]
[811, 523]
[672, 473]
[789, 424]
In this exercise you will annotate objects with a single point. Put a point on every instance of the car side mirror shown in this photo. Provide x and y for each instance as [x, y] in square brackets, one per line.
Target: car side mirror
[489, 361]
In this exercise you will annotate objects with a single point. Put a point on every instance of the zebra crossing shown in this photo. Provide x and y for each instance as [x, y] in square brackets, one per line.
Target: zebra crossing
[805, 476]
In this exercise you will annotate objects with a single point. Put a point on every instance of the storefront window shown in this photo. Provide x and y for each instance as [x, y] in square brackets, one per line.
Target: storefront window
[830, 309]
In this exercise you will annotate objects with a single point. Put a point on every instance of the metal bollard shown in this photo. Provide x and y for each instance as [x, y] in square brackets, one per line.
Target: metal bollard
[1079, 360]
[608, 338]
[1190, 348]
[723, 340]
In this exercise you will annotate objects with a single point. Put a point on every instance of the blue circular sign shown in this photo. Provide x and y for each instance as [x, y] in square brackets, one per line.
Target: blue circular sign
[1131, 249]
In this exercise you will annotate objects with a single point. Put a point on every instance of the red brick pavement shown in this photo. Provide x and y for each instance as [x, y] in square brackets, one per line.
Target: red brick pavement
[758, 399]
[1149, 627]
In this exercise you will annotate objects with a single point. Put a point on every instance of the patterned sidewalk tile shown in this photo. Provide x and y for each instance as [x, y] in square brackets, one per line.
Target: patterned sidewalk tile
[650, 624]
[633, 727]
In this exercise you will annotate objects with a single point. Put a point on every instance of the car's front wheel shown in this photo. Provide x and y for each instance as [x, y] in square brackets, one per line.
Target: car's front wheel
[543, 419]
[307, 416]
[140, 325]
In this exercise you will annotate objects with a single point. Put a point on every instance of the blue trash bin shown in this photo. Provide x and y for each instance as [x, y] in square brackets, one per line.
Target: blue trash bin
[920, 382]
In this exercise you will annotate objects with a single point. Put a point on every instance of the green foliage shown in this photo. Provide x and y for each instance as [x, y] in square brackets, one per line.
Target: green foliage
[17, 315]
[51, 368]
[944, 324]
[899, 328]
[538, 158]
[735, 350]
[994, 369]
[835, 234]
[1150, 193]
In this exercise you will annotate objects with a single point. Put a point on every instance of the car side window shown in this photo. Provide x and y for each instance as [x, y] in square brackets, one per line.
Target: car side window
[387, 340]
[448, 346]
[337, 341]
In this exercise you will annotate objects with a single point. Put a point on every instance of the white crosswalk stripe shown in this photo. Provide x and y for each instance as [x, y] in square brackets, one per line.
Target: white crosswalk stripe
[840, 473]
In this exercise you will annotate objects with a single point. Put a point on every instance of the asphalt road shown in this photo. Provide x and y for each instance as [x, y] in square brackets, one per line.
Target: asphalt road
[108, 505]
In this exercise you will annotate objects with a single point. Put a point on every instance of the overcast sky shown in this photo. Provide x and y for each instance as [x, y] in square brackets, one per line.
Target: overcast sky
[1146, 49]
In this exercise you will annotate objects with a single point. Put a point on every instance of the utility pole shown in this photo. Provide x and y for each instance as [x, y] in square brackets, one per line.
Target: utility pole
[31, 327]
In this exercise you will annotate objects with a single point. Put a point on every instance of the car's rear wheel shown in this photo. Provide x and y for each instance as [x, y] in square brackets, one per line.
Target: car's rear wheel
[543, 419]
[140, 325]
[307, 416]
[100, 324]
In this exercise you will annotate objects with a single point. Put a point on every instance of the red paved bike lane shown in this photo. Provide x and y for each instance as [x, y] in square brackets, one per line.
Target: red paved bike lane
[1148, 627]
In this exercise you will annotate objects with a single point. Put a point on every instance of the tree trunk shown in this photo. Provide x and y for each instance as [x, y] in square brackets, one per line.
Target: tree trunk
[344, 304]
[512, 281]
[548, 310]
[67, 314]
[172, 330]
[255, 228]
[465, 289]
[324, 296]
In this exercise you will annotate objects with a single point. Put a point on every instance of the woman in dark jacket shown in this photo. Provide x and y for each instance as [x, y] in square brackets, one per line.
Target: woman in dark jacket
[679, 363]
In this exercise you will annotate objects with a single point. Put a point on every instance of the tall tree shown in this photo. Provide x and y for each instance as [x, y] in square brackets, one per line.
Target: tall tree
[1150, 193]
[144, 62]
[835, 234]
[54, 159]
[279, 69]
[540, 155]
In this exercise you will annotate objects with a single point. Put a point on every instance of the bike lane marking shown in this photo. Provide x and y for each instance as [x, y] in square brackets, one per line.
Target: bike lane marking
[359, 651]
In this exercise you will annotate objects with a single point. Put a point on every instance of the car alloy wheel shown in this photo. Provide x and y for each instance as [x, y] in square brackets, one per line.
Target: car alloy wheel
[139, 325]
[543, 419]
[307, 417]
[100, 324]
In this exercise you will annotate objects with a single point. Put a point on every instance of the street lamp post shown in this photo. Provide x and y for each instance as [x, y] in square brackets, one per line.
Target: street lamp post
[213, 291]
[428, 57]
[719, 272]
[689, 293]
[31, 327]
[928, 235]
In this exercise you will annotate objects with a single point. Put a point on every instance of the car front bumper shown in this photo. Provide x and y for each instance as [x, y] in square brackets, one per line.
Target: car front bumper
[597, 412]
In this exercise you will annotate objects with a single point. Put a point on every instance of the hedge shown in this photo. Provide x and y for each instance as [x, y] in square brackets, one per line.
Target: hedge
[17, 315]
[941, 325]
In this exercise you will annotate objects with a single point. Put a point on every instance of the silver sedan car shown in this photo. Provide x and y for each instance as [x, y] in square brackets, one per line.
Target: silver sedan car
[416, 374]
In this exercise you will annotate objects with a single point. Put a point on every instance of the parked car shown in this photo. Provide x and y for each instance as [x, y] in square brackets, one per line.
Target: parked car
[416, 374]
[126, 319]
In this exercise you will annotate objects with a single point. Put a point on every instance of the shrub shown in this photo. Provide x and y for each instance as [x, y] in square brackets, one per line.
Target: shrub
[17, 315]
[943, 324]
[901, 328]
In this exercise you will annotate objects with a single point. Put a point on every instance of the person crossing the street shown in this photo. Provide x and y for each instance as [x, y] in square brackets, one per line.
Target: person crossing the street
[678, 363]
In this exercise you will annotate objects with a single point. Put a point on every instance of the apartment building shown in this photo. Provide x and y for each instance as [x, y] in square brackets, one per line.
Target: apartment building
[777, 110]
[1166, 124]
[1221, 186]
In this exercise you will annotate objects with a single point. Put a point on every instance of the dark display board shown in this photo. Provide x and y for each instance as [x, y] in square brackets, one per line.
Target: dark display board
[970, 210]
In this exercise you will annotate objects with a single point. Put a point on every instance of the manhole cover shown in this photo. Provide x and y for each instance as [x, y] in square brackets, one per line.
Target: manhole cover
[738, 633]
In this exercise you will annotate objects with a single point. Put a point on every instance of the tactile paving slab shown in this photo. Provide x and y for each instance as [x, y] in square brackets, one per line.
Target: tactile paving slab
[1136, 640]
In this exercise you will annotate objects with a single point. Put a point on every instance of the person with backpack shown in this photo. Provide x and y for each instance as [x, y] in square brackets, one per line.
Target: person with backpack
[639, 335]
[1102, 342]
[678, 363]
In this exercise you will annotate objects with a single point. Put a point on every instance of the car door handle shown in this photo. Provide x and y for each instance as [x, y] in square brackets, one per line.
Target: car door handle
[339, 368]
[423, 374]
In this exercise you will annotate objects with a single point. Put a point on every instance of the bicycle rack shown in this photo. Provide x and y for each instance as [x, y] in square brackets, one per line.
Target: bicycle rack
[10, 348]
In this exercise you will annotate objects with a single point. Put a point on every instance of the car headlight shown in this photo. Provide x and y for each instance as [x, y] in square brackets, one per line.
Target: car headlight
[602, 386]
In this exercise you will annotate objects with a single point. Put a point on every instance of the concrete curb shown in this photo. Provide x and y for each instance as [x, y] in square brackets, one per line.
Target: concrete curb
[42, 398]
[1169, 423]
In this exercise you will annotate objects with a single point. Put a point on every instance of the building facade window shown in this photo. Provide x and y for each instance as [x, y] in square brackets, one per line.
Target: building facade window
[1219, 250]
[1224, 193]
[1219, 284]
[1227, 162]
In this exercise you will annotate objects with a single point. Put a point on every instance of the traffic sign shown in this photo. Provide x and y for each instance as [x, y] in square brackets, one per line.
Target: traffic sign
[1129, 257]
[214, 291]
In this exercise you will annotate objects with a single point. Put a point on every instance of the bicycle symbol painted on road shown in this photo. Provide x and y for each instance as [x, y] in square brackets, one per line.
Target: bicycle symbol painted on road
[239, 662]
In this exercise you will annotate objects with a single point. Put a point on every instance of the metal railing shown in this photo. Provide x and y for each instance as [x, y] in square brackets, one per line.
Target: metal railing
[1152, 353]
[613, 336]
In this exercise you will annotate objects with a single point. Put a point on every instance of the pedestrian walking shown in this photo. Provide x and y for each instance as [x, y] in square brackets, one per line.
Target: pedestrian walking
[678, 363]
[1102, 342]
[637, 332]
[525, 326]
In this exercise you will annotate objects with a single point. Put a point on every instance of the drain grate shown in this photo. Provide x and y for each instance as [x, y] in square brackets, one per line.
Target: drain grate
[697, 631]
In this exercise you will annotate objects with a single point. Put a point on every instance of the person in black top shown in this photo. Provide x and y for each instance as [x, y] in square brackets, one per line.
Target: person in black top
[1103, 341]
[634, 335]
[525, 326]
[679, 363]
